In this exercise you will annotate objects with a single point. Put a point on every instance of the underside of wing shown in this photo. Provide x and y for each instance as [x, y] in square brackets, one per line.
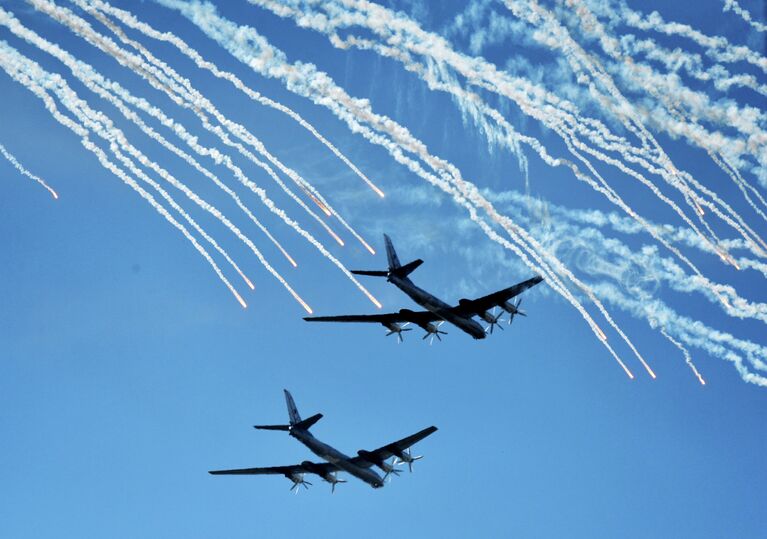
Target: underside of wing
[269, 470]
[370, 318]
[404, 315]
[319, 468]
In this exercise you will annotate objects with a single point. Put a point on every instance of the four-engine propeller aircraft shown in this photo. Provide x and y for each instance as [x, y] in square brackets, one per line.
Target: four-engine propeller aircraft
[359, 466]
[437, 311]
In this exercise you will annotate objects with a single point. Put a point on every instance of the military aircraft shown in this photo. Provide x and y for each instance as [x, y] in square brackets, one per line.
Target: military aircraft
[437, 311]
[359, 466]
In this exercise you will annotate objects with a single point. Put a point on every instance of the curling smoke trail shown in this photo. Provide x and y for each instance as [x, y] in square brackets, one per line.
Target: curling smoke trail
[25, 172]
[716, 47]
[732, 5]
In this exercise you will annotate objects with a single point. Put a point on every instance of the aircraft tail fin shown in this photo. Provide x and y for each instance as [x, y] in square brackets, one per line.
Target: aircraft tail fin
[391, 254]
[292, 410]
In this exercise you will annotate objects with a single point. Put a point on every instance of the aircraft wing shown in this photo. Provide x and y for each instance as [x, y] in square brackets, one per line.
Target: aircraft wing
[394, 448]
[276, 470]
[405, 315]
[480, 305]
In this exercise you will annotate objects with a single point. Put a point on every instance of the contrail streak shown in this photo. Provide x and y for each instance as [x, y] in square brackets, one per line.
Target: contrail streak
[179, 93]
[195, 102]
[129, 20]
[101, 86]
[532, 100]
[686, 354]
[732, 5]
[25, 172]
[716, 47]
[102, 126]
[238, 130]
[11, 67]
[337, 100]
[676, 97]
[694, 333]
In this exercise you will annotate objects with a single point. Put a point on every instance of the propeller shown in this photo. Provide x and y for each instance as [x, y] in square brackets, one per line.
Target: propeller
[398, 329]
[390, 469]
[516, 310]
[298, 479]
[434, 331]
[407, 458]
[493, 319]
[334, 480]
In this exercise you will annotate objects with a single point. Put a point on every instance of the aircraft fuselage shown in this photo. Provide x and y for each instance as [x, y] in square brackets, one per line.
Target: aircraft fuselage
[437, 306]
[334, 456]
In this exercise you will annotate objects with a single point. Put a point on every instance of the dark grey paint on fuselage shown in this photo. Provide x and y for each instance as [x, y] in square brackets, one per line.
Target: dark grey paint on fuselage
[436, 305]
[334, 456]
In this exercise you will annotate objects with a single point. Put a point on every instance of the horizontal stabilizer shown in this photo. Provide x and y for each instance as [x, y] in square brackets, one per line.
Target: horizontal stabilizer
[272, 427]
[371, 273]
[308, 422]
[407, 269]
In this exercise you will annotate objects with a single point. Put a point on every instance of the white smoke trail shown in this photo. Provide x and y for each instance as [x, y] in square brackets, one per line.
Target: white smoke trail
[631, 212]
[679, 60]
[732, 5]
[614, 267]
[676, 97]
[553, 112]
[715, 47]
[101, 86]
[25, 172]
[197, 103]
[11, 66]
[129, 20]
[180, 93]
[624, 260]
[321, 89]
[694, 333]
[102, 126]
[237, 129]
[686, 354]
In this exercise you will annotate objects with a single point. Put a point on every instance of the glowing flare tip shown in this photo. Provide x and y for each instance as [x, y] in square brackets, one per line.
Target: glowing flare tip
[600, 333]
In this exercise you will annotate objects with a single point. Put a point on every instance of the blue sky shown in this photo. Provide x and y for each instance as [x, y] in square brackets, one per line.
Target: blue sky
[128, 370]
